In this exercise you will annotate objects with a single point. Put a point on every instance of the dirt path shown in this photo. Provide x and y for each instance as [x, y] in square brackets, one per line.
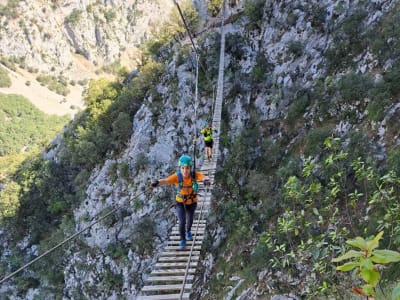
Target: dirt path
[44, 99]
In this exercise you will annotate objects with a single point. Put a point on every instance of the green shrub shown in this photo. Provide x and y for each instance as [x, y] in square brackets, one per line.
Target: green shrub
[75, 17]
[295, 48]
[391, 78]
[254, 10]
[394, 160]
[314, 140]
[383, 39]
[354, 87]
[56, 84]
[298, 107]
[10, 10]
[261, 68]
[214, 7]
[234, 44]
[379, 97]
[5, 80]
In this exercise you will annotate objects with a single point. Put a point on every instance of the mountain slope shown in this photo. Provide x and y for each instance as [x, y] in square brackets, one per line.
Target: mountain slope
[309, 157]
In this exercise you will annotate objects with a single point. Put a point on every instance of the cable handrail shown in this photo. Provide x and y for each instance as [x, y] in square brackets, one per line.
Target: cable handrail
[68, 239]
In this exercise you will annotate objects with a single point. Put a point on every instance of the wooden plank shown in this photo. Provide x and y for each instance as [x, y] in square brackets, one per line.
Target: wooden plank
[172, 271]
[185, 296]
[194, 226]
[197, 243]
[179, 258]
[175, 264]
[167, 287]
[180, 278]
[179, 253]
[177, 237]
[199, 232]
[172, 248]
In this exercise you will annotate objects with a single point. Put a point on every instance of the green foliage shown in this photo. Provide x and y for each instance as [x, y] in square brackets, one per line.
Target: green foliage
[298, 107]
[23, 127]
[209, 57]
[143, 236]
[348, 42]
[9, 62]
[9, 199]
[5, 80]
[295, 48]
[392, 78]
[354, 87]
[214, 7]
[9, 188]
[261, 68]
[366, 261]
[46, 195]
[314, 140]
[116, 69]
[56, 84]
[394, 160]
[172, 30]
[234, 45]
[110, 15]
[383, 38]
[10, 10]
[379, 100]
[254, 10]
[74, 18]
[331, 189]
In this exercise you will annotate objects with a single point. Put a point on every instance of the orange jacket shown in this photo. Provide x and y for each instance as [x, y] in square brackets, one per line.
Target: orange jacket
[187, 189]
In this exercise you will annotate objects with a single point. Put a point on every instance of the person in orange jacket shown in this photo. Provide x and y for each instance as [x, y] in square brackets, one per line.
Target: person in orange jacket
[185, 180]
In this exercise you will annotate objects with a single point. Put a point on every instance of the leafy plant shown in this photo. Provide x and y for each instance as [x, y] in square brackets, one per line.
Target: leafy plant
[366, 261]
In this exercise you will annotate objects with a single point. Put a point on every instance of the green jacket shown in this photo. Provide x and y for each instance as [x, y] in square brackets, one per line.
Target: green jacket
[207, 133]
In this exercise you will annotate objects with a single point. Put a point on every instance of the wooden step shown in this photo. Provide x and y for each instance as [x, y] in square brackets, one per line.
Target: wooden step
[180, 258]
[172, 248]
[167, 287]
[177, 237]
[172, 271]
[193, 264]
[188, 243]
[201, 225]
[185, 296]
[199, 232]
[180, 278]
[179, 253]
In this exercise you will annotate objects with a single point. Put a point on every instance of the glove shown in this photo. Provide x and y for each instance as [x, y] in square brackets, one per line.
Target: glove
[207, 182]
[155, 183]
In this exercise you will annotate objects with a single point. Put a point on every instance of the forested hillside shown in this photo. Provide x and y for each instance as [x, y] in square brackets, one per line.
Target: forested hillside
[308, 171]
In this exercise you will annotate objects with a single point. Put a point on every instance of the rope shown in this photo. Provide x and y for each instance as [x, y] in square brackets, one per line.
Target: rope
[191, 38]
[195, 113]
[186, 27]
[65, 241]
[193, 244]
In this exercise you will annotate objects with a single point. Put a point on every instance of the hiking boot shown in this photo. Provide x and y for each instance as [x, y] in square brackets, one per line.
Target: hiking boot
[182, 244]
[189, 236]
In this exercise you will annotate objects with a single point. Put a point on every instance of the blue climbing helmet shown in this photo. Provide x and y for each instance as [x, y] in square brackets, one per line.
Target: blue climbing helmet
[185, 160]
[204, 124]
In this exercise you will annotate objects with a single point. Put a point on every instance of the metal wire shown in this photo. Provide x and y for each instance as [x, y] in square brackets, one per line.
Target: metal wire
[65, 241]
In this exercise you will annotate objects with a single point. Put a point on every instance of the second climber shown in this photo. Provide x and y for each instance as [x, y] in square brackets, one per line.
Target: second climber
[207, 132]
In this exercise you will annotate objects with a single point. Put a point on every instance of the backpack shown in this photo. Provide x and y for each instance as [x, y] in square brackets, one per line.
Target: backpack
[180, 181]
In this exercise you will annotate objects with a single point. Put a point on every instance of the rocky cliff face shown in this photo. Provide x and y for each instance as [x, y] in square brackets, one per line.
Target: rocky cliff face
[74, 38]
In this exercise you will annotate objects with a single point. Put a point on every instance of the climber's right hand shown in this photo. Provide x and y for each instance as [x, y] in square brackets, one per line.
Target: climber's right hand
[155, 183]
